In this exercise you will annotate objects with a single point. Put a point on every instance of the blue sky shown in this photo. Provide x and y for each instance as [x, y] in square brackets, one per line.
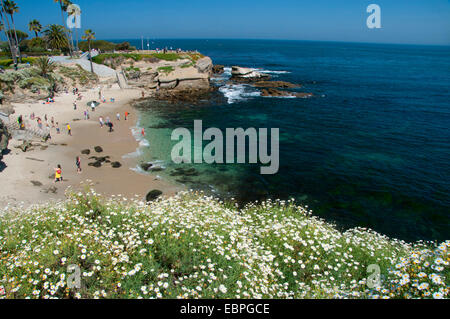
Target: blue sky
[403, 21]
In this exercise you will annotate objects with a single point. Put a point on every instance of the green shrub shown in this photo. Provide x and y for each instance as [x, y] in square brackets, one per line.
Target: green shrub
[97, 44]
[6, 62]
[35, 83]
[78, 75]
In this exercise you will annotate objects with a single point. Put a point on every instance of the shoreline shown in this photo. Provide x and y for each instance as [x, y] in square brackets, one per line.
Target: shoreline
[27, 175]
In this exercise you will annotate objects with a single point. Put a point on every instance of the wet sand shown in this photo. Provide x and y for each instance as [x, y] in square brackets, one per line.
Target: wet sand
[26, 178]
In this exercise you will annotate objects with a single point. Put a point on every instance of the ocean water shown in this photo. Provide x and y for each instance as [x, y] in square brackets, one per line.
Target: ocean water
[371, 149]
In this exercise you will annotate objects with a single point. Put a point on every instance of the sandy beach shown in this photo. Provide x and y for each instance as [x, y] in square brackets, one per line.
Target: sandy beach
[28, 176]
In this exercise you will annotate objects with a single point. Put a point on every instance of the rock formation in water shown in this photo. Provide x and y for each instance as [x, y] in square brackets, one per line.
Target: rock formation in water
[247, 75]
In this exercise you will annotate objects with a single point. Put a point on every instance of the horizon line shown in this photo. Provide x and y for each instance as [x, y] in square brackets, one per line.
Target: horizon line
[270, 39]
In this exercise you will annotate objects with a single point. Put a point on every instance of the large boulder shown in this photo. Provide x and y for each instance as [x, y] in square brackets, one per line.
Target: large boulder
[204, 65]
[153, 195]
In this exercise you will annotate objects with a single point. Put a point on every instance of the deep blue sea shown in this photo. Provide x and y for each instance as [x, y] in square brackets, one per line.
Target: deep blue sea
[371, 149]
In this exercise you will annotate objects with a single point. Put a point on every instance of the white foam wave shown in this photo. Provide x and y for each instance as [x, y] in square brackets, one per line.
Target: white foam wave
[225, 76]
[273, 72]
[227, 71]
[143, 143]
[238, 92]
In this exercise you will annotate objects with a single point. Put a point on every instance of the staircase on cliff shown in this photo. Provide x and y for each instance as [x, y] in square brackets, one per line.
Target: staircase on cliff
[122, 80]
[27, 133]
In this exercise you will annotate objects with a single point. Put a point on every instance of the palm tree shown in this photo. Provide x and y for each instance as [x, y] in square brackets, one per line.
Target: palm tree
[64, 4]
[10, 8]
[45, 66]
[35, 26]
[89, 35]
[4, 18]
[55, 37]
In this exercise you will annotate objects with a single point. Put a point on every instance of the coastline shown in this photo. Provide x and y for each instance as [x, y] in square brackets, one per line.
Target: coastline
[28, 175]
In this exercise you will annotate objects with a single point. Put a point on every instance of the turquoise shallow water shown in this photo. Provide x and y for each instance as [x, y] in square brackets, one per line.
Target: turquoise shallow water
[371, 149]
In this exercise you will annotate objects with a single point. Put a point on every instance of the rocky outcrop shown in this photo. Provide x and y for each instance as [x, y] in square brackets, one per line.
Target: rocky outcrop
[204, 65]
[185, 95]
[218, 69]
[271, 92]
[276, 84]
[4, 138]
[247, 75]
[189, 78]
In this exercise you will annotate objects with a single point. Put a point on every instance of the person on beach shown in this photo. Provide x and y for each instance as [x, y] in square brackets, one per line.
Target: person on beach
[100, 119]
[78, 164]
[69, 130]
[118, 116]
[108, 120]
[58, 130]
[53, 122]
[126, 115]
[110, 127]
[58, 174]
[75, 106]
[20, 121]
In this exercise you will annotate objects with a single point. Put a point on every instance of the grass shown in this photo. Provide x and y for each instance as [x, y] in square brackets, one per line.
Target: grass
[194, 57]
[193, 246]
[187, 65]
[166, 69]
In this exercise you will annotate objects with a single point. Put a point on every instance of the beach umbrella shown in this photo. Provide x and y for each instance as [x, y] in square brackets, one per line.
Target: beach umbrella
[95, 103]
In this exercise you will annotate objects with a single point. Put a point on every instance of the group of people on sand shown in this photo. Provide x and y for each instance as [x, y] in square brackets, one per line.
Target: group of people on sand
[108, 123]
[43, 124]
[52, 124]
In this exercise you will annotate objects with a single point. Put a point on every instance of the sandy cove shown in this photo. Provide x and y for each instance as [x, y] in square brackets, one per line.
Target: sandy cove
[38, 165]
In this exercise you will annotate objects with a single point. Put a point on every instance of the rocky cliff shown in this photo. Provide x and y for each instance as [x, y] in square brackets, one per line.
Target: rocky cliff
[4, 138]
